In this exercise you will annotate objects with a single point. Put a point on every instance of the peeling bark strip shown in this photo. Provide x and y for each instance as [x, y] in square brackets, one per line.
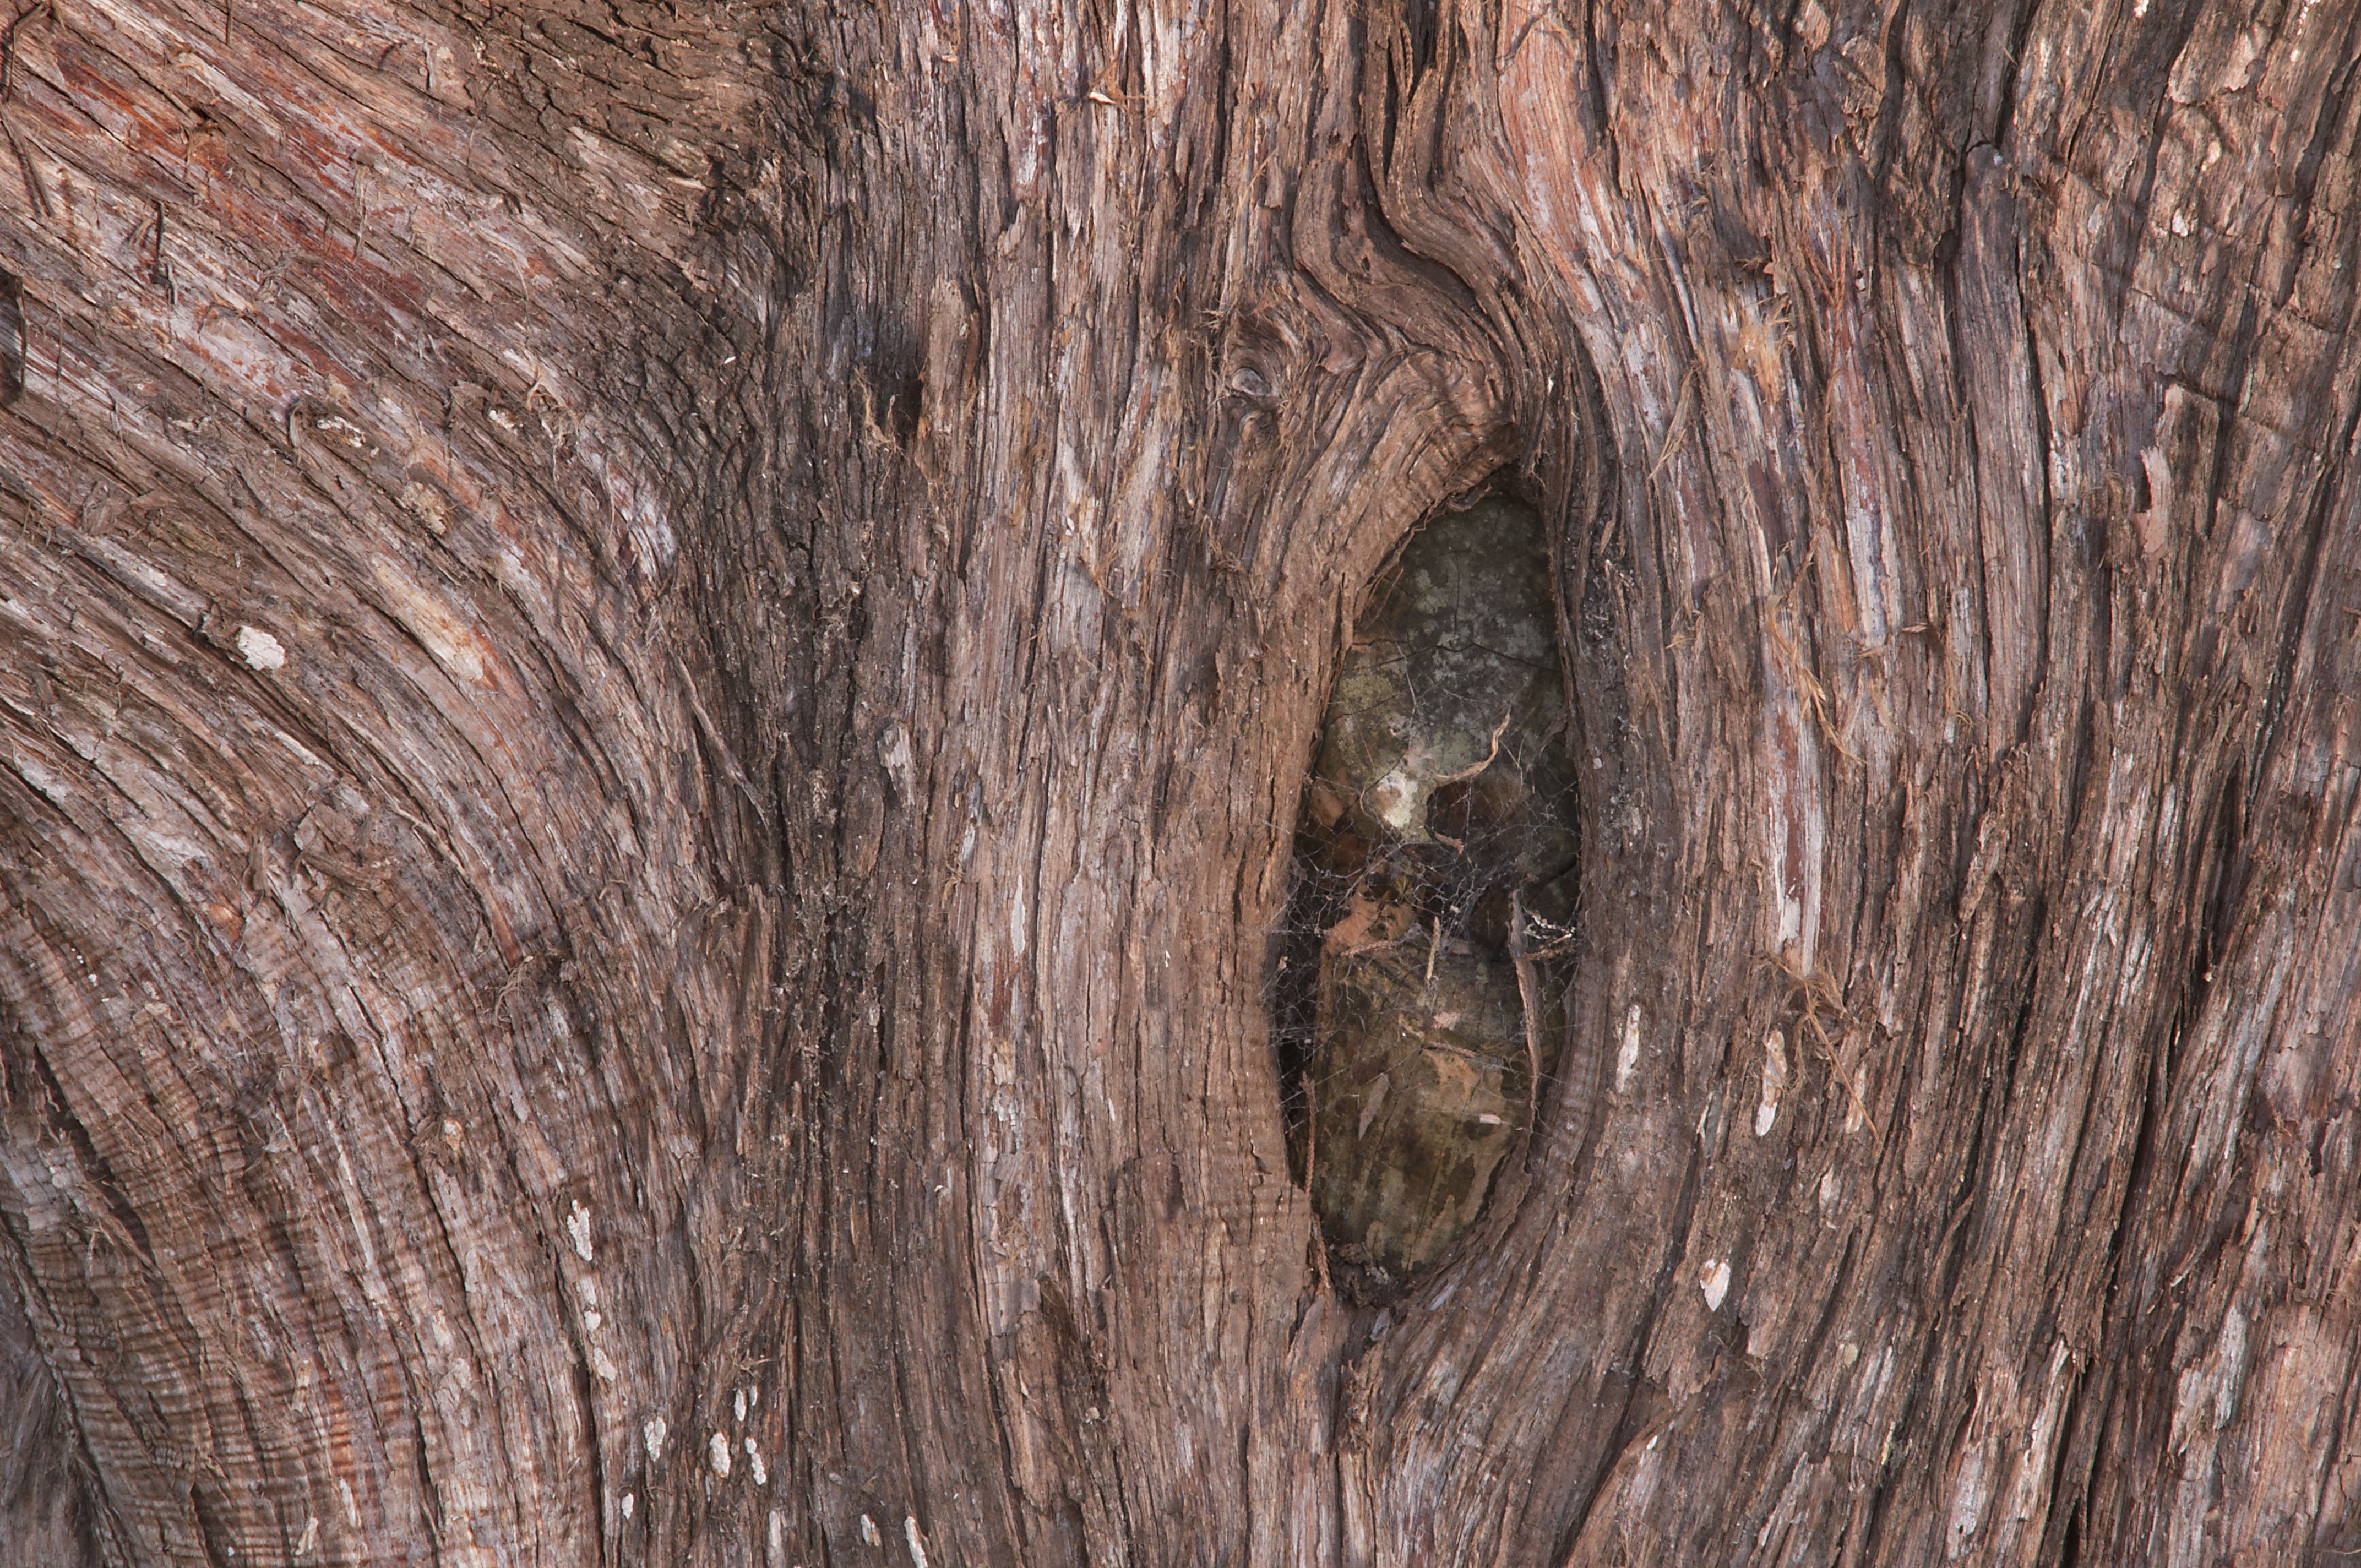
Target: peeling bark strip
[654, 669]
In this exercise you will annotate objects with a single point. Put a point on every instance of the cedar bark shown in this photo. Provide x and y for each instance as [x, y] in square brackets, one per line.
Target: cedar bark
[655, 665]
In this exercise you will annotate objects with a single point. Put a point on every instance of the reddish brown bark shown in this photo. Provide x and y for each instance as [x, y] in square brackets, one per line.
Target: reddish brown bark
[655, 666]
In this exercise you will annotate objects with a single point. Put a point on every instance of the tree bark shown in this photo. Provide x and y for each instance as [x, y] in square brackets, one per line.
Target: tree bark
[657, 665]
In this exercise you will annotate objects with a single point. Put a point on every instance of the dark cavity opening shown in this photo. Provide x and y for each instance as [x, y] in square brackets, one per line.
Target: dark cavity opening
[1421, 983]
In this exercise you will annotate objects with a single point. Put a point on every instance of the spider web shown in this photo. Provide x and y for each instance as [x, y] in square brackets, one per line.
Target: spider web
[1419, 989]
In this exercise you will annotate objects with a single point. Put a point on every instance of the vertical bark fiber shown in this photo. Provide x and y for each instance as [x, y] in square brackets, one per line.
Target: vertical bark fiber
[655, 665]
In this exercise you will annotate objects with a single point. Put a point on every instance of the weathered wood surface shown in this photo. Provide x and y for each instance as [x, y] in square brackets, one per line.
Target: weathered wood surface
[655, 668]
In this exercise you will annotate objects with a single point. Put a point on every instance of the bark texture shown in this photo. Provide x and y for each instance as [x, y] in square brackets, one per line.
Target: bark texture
[655, 669]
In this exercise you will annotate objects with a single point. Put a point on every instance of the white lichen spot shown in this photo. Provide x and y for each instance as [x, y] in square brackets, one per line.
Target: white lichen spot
[738, 1405]
[717, 1454]
[1848, 1353]
[310, 1537]
[260, 650]
[753, 1394]
[1714, 1280]
[869, 1531]
[599, 1364]
[339, 429]
[1775, 1082]
[628, 1501]
[917, 1542]
[653, 1436]
[577, 1226]
[754, 1463]
[592, 1318]
[1627, 1056]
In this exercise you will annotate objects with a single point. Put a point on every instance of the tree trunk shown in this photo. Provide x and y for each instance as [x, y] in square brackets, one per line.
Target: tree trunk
[657, 665]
